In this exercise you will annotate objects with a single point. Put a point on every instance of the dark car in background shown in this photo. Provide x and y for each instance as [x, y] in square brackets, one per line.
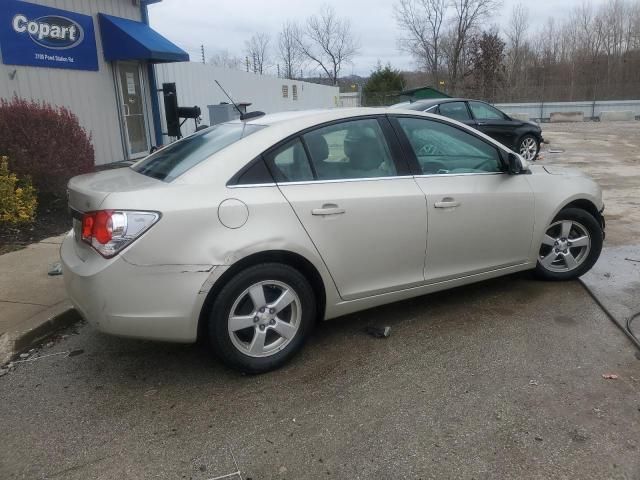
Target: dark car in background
[520, 136]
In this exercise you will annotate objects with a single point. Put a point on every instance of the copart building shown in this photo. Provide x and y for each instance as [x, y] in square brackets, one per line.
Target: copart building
[102, 60]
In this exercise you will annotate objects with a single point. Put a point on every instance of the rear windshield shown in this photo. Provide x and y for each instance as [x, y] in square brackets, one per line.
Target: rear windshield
[170, 162]
[419, 106]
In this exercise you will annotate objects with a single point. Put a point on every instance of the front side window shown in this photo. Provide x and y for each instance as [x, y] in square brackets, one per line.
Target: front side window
[456, 110]
[444, 149]
[350, 150]
[482, 111]
[172, 161]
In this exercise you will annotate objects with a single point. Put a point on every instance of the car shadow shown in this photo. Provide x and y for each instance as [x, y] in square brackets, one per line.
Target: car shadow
[343, 340]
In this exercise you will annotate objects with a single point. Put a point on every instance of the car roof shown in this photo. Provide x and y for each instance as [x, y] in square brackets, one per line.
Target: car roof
[312, 116]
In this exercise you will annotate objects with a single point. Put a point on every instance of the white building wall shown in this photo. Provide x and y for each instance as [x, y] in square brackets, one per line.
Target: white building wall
[90, 95]
[195, 83]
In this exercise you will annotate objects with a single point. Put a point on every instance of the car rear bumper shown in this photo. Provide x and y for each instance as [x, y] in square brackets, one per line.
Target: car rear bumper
[152, 302]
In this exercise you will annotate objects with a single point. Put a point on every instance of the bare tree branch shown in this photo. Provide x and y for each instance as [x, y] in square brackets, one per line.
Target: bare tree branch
[257, 51]
[289, 50]
[421, 22]
[328, 43]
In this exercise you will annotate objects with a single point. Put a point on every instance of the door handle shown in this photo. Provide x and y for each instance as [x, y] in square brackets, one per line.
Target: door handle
[328, 209]
[447, 202]
[481, 123]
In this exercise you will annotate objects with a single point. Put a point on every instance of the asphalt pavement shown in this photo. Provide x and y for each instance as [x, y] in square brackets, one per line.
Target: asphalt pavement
[503, 379]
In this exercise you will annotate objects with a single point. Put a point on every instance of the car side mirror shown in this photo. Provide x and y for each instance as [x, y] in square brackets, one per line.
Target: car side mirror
[515, 165]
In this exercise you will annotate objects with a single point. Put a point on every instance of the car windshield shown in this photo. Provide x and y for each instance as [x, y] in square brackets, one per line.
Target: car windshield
[170, 162]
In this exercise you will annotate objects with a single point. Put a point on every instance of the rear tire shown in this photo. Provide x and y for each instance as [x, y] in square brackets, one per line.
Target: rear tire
[262, 317]
[570, 247]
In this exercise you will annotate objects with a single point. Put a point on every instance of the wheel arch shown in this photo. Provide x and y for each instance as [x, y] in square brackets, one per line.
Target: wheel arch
[285, 257]
[583, 204]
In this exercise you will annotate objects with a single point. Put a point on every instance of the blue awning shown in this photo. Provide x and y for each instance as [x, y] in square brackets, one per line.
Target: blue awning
[124, 39]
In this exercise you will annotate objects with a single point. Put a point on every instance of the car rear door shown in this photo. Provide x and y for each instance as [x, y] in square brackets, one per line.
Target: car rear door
[353, 194]
[458, 111]
[480, 218]
[493, 122]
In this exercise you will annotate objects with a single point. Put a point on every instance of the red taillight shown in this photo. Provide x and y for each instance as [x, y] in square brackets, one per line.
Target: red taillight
[87, 225]
[109, 231]
[97, 225]
[102, 227]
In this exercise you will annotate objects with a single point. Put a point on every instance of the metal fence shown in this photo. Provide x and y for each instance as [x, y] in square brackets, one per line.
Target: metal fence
[541, 111]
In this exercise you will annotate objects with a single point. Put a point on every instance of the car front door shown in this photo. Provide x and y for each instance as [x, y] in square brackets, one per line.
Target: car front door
[353, 193]
[493, 122]
[480, 218]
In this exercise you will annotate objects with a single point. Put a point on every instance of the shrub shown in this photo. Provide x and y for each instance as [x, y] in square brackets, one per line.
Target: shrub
[17, 198]
[44, 142]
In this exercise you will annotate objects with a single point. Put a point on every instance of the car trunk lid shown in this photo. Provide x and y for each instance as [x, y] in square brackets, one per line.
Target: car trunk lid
[88, 192]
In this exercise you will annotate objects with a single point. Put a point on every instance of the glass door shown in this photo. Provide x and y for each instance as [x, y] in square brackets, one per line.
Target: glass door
[132, 108]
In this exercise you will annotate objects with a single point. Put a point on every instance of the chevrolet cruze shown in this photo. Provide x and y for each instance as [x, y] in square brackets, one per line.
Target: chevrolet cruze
[248, 232]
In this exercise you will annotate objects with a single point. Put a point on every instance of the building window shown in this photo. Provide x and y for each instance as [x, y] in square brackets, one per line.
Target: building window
[285, 91]
[294, 92]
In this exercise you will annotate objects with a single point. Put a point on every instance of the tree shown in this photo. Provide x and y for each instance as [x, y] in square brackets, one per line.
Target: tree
[383, 84]
[257, 51]
[466, 20]
[328, 43]
[487, 64]
[289, 50]
[224, 59]
[421, 21]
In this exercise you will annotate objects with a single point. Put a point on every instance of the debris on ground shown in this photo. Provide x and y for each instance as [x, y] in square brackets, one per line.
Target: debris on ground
[533, 382]
[632, 260]
[379, 332]
[55, 269]
[538, 438]
[609, 376]
[74, 353]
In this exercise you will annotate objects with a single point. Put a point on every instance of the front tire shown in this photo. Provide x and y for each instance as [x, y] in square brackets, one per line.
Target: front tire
[262, 317]
[529, 147]
[570, 246]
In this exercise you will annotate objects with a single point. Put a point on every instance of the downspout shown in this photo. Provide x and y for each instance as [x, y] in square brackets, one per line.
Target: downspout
[155, 104]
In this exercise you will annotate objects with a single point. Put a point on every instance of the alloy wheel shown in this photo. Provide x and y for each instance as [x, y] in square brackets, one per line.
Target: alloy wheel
[528, 149]
[565, 246]
[264, 318]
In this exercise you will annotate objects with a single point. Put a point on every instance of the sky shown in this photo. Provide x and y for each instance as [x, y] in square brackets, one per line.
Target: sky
[226, 24]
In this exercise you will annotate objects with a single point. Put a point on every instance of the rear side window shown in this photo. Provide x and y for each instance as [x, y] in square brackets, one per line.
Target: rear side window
[289, 163]
[456, 110]
[350, 150]
[172, 161]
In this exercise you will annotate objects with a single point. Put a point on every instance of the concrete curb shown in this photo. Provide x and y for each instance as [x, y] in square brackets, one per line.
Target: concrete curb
[37, 328]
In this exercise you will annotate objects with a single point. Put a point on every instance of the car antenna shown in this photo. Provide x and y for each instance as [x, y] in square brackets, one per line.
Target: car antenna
[243, 116]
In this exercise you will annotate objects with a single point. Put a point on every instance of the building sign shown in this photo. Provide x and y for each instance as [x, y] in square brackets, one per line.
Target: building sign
[46, 37]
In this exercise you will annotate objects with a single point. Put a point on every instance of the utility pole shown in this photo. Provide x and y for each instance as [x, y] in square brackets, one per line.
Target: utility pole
[202, 52]
[247, 59]
[278, 65]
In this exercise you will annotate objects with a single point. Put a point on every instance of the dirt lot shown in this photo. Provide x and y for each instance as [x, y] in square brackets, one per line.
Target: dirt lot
[502, 379]
[610, 153]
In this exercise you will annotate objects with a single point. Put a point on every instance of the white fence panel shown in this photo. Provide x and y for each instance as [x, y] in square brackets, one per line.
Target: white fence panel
[195, 83]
